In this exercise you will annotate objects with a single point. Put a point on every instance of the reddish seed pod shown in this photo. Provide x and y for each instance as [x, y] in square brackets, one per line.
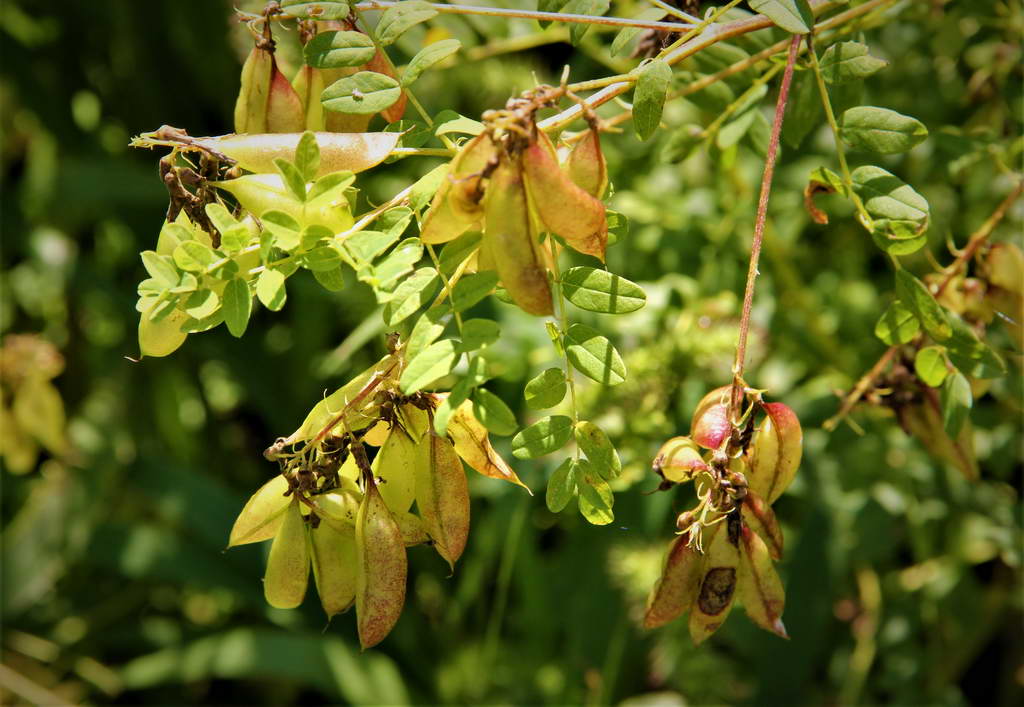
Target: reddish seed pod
[712, 427]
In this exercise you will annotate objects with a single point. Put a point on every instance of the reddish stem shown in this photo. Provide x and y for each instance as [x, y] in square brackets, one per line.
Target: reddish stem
[762, 213]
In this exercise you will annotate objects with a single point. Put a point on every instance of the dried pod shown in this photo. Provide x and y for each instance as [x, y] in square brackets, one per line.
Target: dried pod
[266, 102]
[381, 569]
[334, 567]
[339, 152]
[775, 452]
[563, 207]
[509, 234]
[760, 588]
[457, 205]
[676, 590]
[442, 496]
[679, 460]
[717, 586]
[586, 165]
[760, 517]
[284, 584]
[262, 515]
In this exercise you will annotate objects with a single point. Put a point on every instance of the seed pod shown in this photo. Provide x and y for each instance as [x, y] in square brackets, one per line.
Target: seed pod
[284, 584]
[1004, 264]
[356, 398]
[473, 444]
[676, 590]
[262, 515]
[717, 586]
[260, 193]
[457, 205]
[509, 232]
[563, 207]
[266, 102]
[378, 434]
[775, 452]
[334, 567]
[679, 460]
[394, 468]
[586, 165]
[339, 152]
[413, 532]
[712, 427]
[760, 588]
[308, 85]
[163, 337]
[760, 517]
[381, 562]
[338, 508]
[442, 496]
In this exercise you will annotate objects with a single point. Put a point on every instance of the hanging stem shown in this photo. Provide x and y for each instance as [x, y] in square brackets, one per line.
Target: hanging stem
[762, 213]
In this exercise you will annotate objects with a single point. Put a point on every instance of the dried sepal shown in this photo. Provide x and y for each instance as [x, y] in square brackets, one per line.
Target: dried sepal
[676, 589]
[760, 588]
[262, 515]
[381, 569]
[287, 575]
[775, 452]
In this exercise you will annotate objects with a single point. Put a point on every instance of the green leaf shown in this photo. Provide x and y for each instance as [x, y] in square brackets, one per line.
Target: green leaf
[322, 10]
[652, 84]
[399, 262]
[330, 186]
[235, 239]
[479, 333]
[220, 217]
[292, 178]
[193, 256]
[542, 437]
[454, 253]
[956, 403]
[334, 50]
[881, 130]
[804, 110]
[493, 413]
[618, 226]
[433, 362]
[626, 35]
[596, 496]
[414, 292]
[546, 390]
[307, 158]
[270, 289]
[682, 143]
[161, 268]
[593, 355]
[285, 230]
[916, 297]
[601, 291]
[364, 93]
[886, 196]
[399, 18]
[794, 16]
[428, 327]
[849, 61]
[459, 124]
[472, 288]
[332, 280]
[237, 306]
[394, 221]
[423, 190]
[427, 57]
[897, 325]
[599, 449]
[970, 354]
[594, 8]
[202, 304]
[561, 487]
[364, 246]
[322, 258]
[734, 130]
[316, 235]
[930, 365]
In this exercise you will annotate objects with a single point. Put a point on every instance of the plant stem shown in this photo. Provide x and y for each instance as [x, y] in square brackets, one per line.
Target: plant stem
[447, 286]
[563, 326]
[762, 213]
[532, 15]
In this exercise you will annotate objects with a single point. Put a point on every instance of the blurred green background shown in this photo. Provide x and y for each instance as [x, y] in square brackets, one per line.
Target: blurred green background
[903, 580]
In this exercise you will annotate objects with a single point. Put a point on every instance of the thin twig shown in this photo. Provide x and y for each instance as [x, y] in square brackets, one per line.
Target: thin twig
[762, 214]
[863, 385]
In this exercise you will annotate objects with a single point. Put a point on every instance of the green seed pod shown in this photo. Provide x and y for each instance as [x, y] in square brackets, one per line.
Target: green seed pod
[284, 584]
[334, 567]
